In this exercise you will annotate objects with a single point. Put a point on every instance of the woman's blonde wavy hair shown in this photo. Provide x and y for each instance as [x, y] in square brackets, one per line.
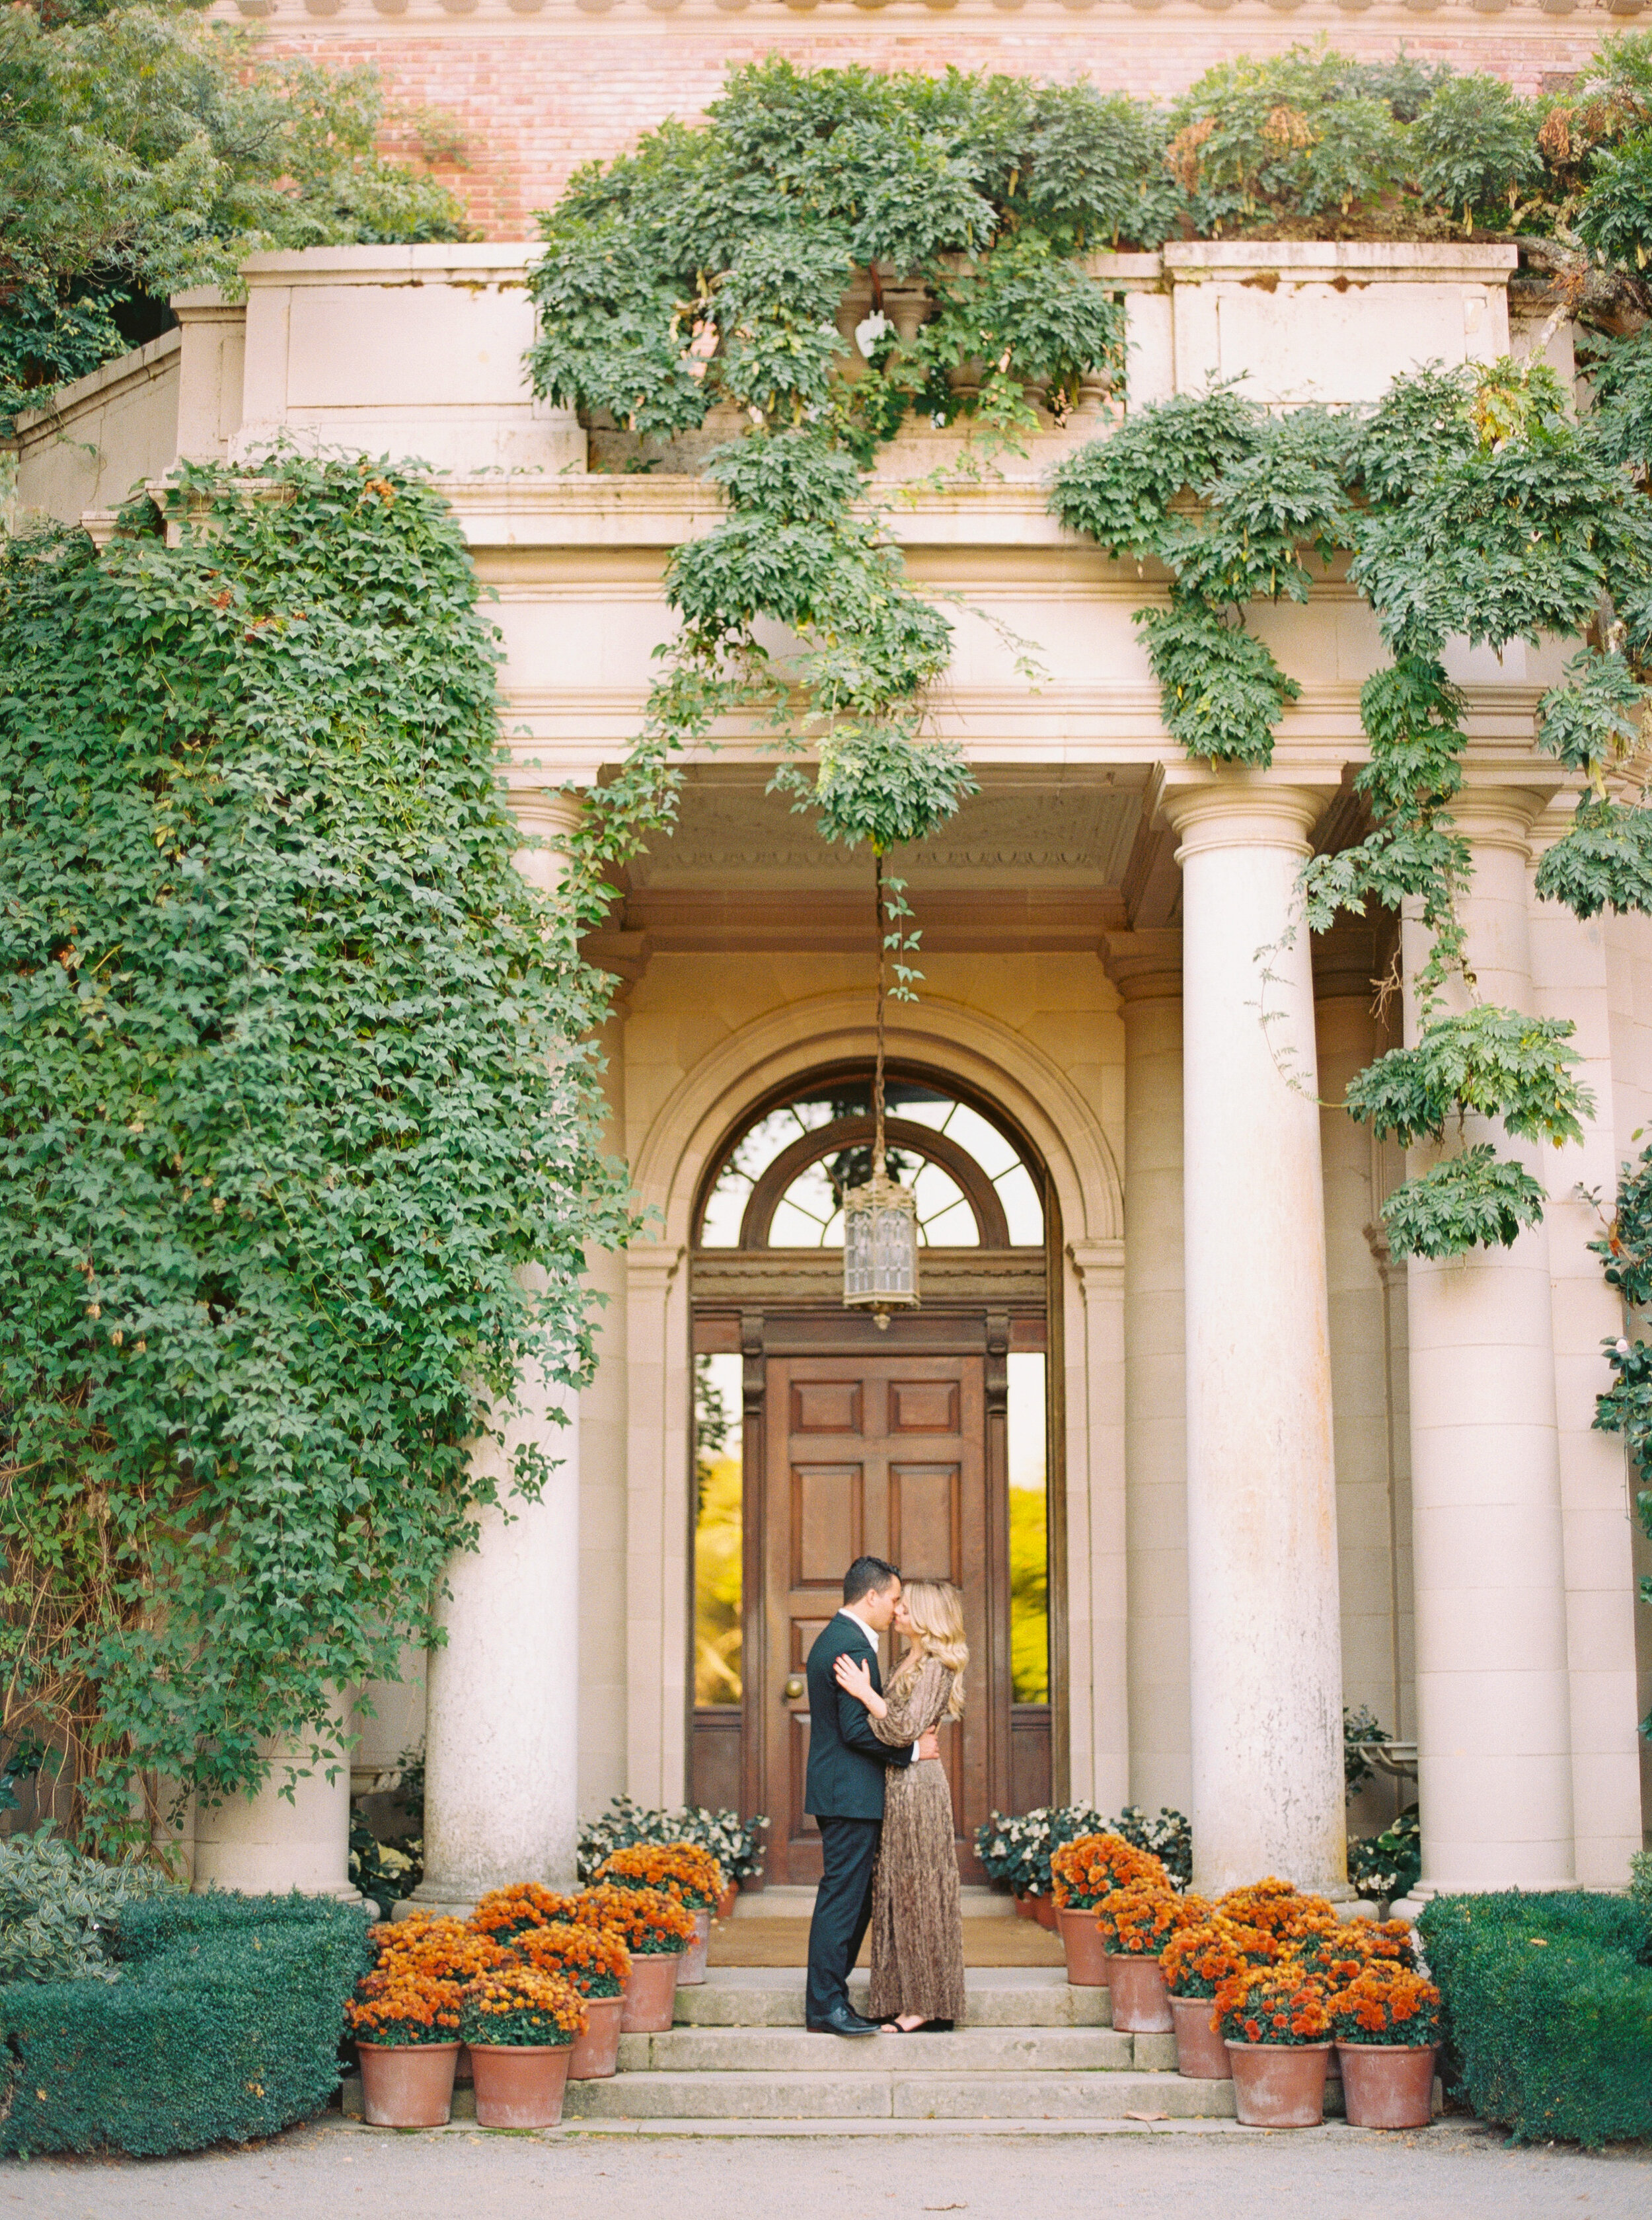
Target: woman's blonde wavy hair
[936, 1609]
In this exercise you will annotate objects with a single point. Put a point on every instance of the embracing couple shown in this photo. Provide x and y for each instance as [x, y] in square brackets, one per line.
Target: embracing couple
[878, 1791]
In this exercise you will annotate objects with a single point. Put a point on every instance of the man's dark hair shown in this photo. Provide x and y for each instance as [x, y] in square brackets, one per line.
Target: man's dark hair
[866, 1575]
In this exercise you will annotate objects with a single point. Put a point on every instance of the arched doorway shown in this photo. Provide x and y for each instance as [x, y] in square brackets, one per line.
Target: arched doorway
[819, 1435]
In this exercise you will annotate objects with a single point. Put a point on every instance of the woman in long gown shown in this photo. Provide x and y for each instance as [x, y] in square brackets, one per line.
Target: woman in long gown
[917, 1923]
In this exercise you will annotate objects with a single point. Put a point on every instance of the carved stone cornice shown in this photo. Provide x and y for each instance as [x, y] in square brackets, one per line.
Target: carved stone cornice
[1144, 966]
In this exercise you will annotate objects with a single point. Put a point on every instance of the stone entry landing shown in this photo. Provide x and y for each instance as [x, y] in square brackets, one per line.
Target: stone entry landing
[1034, 2050]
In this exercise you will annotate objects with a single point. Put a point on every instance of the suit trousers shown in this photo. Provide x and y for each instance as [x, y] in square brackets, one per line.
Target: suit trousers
[843, 1910]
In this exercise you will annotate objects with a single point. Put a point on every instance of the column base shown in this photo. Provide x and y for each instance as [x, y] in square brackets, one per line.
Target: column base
[438, 1899]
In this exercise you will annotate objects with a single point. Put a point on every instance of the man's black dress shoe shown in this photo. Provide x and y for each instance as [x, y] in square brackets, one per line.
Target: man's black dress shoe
[842, 2019]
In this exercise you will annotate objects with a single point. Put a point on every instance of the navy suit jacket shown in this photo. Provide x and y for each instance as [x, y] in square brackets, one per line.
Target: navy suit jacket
[847, 1762]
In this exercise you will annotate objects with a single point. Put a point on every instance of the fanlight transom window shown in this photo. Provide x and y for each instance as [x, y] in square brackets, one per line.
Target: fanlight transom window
[782, 1185]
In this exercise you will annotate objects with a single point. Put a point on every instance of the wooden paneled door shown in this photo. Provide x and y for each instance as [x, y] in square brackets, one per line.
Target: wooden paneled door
[886, 1455]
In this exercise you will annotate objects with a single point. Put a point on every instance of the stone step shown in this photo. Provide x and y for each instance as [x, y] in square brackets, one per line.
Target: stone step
[968, 2050]
[999, 1996]
[900, 2094]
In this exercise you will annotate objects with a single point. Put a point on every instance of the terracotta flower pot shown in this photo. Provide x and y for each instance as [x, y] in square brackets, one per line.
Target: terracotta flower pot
[1044, 1911]
[1141, 2003]
[1279, 2085]
[519, 2084]
[596, 2053]
[691, 1967]
[1026, 1907]
[650, 1991]
[1201, 2054]
[1080, 1938]
[406, 2085]
[1387, 2084]
[728, 1900]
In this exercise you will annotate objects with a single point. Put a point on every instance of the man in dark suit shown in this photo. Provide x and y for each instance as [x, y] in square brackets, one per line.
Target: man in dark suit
[844, 1791]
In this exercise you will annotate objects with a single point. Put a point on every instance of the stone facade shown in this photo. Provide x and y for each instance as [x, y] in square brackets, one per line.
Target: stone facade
[1293, 1474]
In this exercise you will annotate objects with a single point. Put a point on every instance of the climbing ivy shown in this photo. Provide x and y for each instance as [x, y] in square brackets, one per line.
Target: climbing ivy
[298, 1149]
[1470, 502]
[709, 272]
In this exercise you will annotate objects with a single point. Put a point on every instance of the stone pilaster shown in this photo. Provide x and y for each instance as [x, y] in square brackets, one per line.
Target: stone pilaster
[1146, 969]
[1492, 1703]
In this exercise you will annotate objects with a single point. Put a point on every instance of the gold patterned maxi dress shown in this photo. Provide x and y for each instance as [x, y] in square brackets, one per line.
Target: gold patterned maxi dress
[917, 1924]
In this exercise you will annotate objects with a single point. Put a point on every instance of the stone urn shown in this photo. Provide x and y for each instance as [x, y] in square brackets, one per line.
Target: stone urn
[1279, 2085]
[1087, 1957]
[1387, 2084]
[519, 2084]
[1201, 2054]
[595, 2053]
[691, 1970]
[650, 1997]
[1141, 2003]
[406, 2085]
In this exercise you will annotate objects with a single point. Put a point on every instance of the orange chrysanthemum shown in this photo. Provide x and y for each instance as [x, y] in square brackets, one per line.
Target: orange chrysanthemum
[649, 1923]
[1082, 1872]
[520, 2006]
[1282, 2002]
[1138, 1922]
[682, 1870]
[593, 1960]
[440, 1950]
[504, 1912]
[1387, 2003]
[399, 2006]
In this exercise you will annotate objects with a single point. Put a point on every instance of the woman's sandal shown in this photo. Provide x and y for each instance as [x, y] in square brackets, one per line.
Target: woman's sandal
[924, 2027]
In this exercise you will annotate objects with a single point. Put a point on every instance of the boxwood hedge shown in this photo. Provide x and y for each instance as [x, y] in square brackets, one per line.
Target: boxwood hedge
[224, 2024]
[1548, 2010]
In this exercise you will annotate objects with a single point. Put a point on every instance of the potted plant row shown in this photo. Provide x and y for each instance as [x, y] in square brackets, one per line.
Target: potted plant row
[690, 1876]
[1136, 1925]
[1083, 1874]
[1267, 1985]
[537, 1988]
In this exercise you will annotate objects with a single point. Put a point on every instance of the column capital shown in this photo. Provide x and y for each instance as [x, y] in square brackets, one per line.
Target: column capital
[1144, 966]
[1499, 816]
[547, 812]
[1239, 809]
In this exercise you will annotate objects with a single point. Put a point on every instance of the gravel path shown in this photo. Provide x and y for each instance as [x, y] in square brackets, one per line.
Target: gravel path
[334, 2171]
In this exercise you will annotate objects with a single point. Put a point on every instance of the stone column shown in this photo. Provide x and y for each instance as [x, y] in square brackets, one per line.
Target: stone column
[269, 1843]
[1493, 1725]
[1264, 1647]
[502, 1747]
[1146, 968]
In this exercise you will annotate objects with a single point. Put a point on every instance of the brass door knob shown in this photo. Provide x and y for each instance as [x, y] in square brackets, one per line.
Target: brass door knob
[797, 1687]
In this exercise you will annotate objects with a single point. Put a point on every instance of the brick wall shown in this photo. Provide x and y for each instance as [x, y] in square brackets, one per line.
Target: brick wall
[536, 89]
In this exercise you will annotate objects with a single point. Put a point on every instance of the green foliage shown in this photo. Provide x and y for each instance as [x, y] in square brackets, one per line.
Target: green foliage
[223, 2026]
[1548, 2004]
[1475, 151]
[145, 149]
[56, 1908]
[1473, 1201]
[1017, 1850]
[1220, 691]
[731, 1840]
[1388, 1866]
[298, 1159]
[1603, 861]
[1486, 1063]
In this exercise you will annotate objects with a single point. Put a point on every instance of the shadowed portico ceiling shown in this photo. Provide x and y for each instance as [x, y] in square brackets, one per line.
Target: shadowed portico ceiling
[1039, 860]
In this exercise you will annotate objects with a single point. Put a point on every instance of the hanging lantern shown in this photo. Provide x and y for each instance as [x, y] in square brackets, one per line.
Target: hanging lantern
[880, 1246]
[880, 1218]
